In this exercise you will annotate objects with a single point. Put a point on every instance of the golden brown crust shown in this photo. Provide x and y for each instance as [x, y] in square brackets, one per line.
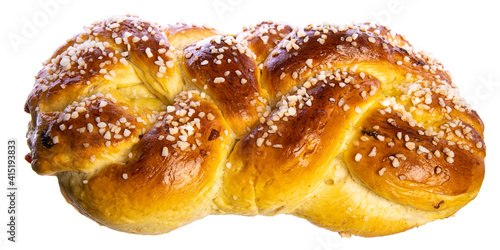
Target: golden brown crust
[149, 128]
[379, 215]
[283, 158]
[170, 173]
[314, 48]
[87, 134]
[97, 56]
[412, 167]
[226, 70]
[263, 37]
[180, 34]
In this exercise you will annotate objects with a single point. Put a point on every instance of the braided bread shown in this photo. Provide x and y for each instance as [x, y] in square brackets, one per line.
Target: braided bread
[149, 128]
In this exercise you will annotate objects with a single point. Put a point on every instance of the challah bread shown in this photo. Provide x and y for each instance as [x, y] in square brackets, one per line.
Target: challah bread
[149, 128]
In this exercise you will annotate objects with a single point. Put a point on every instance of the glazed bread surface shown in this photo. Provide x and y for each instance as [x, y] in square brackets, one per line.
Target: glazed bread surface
[150, 127]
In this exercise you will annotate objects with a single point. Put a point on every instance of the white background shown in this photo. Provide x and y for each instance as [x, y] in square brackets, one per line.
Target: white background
[463, 35]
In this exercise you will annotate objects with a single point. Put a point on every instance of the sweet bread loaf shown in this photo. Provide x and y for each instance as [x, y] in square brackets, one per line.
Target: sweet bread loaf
[151, 127]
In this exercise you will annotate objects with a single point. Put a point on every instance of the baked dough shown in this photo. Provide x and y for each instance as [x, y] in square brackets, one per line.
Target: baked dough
[149, 128]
